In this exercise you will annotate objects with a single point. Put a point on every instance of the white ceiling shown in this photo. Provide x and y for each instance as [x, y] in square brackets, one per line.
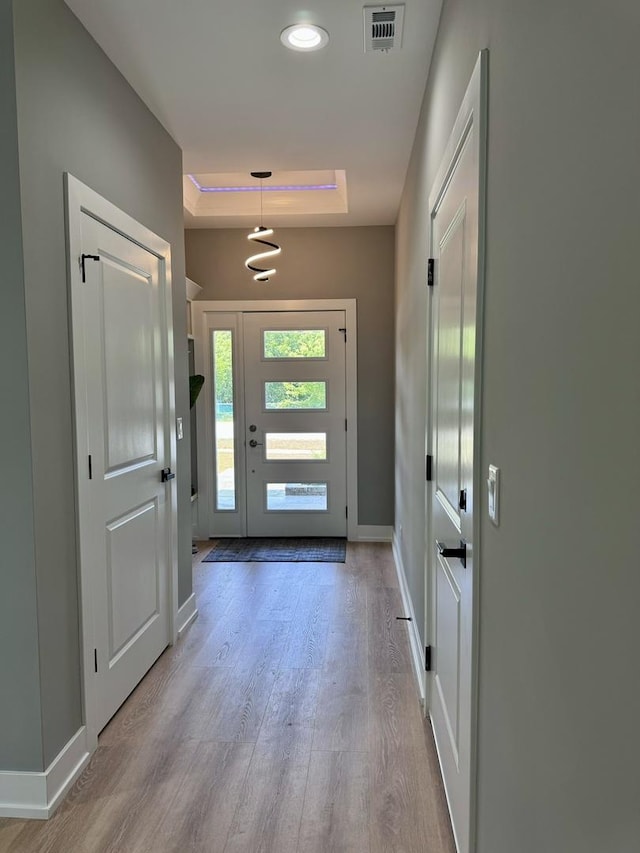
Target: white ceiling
[235, 100]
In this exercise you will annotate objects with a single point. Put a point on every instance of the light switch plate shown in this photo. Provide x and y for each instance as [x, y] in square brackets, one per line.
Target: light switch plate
[179, 429]
[493, 494]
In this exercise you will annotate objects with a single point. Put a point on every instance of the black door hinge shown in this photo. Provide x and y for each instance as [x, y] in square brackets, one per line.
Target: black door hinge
[429, 468]
[431, 264]
[95, 659]
[345, 424]
[90, 468]
[346, 512]
[83, 258]
[463, 500]
[427, 658]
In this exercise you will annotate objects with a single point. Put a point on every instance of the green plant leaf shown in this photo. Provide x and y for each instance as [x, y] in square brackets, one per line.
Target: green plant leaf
[195, 387]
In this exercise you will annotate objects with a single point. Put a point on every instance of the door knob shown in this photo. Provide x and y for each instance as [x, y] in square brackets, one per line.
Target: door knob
[254, 443]
[167, 474]
[460, 553]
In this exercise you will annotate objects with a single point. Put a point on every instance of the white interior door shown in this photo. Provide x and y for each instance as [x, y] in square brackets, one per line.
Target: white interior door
[294, 387]
[455, 233]
[123, 376]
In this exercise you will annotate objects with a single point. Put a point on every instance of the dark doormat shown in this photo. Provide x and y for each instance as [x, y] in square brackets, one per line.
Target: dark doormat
[288, 550]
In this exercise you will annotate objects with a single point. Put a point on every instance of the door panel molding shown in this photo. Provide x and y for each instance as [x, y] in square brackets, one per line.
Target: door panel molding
[82, 201]
[205, 315]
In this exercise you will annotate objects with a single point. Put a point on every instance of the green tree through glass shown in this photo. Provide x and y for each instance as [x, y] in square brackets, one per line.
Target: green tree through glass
[295, 343]
[223, 372]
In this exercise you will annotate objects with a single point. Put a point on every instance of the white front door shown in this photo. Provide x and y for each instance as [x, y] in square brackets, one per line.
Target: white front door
[121, 377]
[454, 206]
[295, 428]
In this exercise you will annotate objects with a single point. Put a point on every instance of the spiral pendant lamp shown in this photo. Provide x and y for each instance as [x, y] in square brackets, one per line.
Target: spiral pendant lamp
[258, 236]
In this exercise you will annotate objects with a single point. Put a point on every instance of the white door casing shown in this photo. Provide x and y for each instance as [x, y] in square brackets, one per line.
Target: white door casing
[310, 498]
[225, 314]
[456, 207]
[125, 436]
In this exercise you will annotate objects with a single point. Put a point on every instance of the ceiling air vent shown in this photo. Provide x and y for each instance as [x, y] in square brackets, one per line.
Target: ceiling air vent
[383, 27]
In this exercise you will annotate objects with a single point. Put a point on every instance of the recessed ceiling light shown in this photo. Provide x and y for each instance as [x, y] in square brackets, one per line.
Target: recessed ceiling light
[304, 37]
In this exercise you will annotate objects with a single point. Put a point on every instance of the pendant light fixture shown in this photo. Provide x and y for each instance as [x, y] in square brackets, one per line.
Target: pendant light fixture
[257, 236]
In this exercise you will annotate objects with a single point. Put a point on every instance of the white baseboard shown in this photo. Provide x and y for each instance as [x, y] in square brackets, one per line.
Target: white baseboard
[374, 533]
[187, 614]
[37, 795]
[415, 643]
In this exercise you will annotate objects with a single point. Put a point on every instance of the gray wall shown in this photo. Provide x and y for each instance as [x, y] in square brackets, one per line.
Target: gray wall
[326, 263]
[20, 738]
[559, 581]
[76, 113]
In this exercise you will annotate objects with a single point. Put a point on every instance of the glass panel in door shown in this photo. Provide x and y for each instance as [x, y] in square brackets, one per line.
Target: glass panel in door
[294, 343]
[224, 418]
[295, 446]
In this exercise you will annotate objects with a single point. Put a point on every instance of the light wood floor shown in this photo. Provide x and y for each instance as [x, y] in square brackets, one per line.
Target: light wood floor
[286, 719]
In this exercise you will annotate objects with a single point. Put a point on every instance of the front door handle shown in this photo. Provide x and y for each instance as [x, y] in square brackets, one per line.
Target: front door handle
[254, 443]
[166, 475]
[460, 553]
